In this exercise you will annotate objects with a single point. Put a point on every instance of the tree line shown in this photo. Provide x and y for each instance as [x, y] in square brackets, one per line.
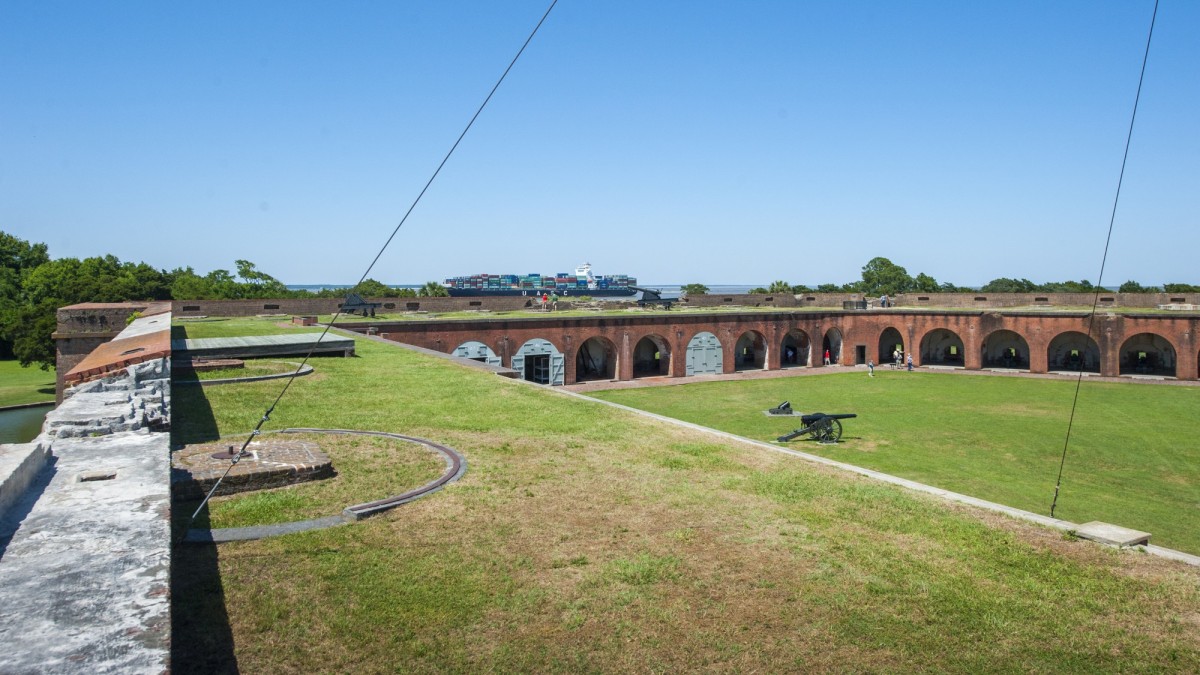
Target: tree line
[33, 286]
[881, 276]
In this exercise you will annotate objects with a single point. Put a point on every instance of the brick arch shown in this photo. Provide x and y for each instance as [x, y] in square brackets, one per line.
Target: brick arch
[1070, 349]
[1005, 348]
[833, 340]
[750, 351]
[1148, 353]
[596, 358]
[934, 348]
[800, 343]
[887, 341]
[643, 363]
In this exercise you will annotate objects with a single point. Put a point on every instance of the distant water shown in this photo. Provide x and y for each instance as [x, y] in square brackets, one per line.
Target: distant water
[23, 424]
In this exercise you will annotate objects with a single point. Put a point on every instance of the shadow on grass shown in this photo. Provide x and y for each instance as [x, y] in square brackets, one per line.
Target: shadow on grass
[201, 638]
[192, 419]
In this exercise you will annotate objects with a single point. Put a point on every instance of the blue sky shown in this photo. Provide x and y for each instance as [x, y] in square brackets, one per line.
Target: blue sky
[673, 141]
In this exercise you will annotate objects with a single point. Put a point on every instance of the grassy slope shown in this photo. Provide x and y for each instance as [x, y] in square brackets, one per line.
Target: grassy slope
[24, 385]
[587, 538]
[1133, 459]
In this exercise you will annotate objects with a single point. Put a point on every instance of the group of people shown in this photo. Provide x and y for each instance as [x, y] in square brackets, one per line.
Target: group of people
[549, 302]
[897, 355]
[900, 357]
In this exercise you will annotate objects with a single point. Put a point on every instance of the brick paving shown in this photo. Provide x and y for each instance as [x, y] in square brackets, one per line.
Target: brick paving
[271, 463]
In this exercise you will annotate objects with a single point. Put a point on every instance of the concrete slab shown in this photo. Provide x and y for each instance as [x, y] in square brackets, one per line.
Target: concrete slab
[296, 344]
[20, 463]
[1114, 535]
[84, 581]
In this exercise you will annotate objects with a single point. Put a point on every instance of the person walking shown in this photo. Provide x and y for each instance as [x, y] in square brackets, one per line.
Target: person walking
[554, 302]
[910, 362]
[870, 368]
[826, 357]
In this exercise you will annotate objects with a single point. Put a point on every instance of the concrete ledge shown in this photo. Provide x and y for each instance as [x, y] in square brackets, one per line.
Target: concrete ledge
[1113, 535]
[19, 466]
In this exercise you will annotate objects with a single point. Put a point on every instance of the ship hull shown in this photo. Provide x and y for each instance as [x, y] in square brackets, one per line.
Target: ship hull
[537, 292]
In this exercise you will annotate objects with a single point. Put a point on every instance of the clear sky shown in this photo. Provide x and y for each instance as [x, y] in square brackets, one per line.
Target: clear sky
[715, 142]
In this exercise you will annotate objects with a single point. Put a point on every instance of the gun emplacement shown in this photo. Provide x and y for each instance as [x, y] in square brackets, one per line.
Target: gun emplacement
[824, 428]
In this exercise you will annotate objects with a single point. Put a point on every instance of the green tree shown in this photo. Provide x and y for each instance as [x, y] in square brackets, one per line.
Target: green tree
[1084, 286]
[370, 288]
[1180, 288]
[926, 284]
[17, 259]
[780, 287]
[1132, 286]
[433, 289]
[1006, 285]
[801, 288]
[881, 276]
[829, 288]
[258, 284]
[694, 289]
[758, 290]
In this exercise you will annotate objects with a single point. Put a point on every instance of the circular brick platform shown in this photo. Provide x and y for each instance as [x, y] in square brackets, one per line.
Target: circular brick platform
[456, 466]
[272, 462]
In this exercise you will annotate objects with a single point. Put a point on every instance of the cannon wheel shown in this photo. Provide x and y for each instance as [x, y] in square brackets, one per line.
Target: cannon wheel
[830, 431]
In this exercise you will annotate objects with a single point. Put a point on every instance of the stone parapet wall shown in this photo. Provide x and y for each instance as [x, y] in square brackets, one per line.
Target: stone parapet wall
[980, 300]
[743, 300]
[307, 306]
[85, 577]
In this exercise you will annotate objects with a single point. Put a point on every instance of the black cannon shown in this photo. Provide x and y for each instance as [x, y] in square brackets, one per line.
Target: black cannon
[824, 428]
[355, 303]
[651, 297]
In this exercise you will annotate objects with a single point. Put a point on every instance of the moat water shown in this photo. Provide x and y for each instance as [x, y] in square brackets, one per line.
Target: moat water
[23, 424]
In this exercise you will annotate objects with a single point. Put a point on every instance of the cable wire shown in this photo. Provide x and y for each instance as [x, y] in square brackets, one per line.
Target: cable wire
[1104, 259]
[267, 415]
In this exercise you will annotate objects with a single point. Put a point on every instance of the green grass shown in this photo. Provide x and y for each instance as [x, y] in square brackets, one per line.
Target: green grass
[367, 468]
[585, 538]
[1133, 459]
[252, 368]
[24, 385]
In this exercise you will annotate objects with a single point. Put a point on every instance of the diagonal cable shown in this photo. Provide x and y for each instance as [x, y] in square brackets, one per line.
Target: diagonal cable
[267, 415]
[1104, 259]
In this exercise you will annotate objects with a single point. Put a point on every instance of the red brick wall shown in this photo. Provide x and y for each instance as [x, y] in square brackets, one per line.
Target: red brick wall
[857, 328]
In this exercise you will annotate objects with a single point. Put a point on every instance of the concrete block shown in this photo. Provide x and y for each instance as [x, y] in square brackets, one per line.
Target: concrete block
[1114, 535]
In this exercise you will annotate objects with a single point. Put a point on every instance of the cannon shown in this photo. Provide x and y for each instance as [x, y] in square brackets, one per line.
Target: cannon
[824, 428]
[354, 303]
[651, 297]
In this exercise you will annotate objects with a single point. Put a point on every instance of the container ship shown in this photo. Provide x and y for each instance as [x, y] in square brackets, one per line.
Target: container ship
[582, 282]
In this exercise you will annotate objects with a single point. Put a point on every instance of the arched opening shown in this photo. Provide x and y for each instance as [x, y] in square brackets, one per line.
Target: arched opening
[651, 357]
[596, 360]
[477, 351]
[891, 348]
[704, 355]
[794, 349]
[1147, 354]
[1005, 349]
[942, 347]
[831, 347]
[539, 361]
[750, 351]
[1073, 351]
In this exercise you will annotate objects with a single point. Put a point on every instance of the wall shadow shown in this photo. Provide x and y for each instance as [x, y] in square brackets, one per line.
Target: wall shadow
[201, 637]
[192, 419]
